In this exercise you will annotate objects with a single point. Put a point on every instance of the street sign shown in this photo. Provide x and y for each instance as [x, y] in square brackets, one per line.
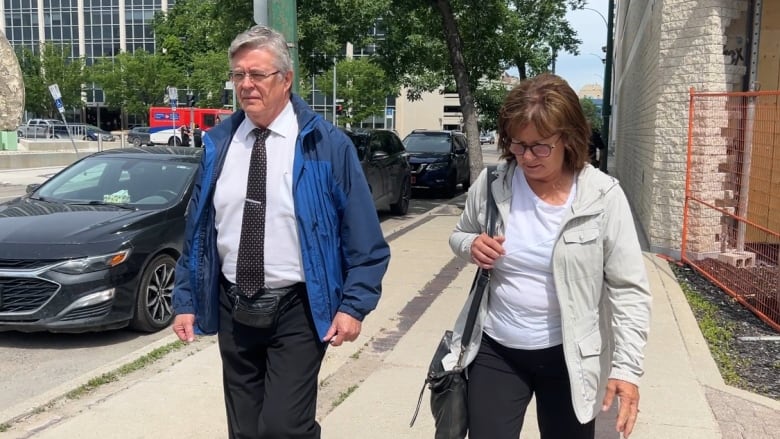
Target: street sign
[173, 96]
[54, 89]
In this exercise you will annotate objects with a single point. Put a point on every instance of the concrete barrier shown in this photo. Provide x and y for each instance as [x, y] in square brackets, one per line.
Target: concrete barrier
[39, 154]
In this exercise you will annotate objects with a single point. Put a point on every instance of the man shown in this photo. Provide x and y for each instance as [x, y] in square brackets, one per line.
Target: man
[306, 270]
[197, 136]
[595, 147]
[185, 135]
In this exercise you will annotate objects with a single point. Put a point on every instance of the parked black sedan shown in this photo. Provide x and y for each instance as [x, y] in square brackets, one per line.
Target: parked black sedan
[386, 167]
[95, 246]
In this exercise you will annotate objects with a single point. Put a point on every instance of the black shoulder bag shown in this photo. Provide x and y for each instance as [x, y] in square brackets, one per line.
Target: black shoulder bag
[448, 387]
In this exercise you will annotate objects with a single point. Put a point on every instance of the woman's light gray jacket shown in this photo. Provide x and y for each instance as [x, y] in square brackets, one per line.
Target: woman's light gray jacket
[600, 280]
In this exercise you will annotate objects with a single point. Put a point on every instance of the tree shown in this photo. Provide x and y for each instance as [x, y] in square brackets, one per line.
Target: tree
[326, 26]
[193, 27]
[592, 113]
[435, 44]
[127, 84]
[537, 30]
[52, 66]
[362, 86]
[489, 97]
[209, 73]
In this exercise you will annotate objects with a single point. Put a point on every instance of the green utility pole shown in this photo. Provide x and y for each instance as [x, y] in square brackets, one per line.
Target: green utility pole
[606, 106]
[282, 16]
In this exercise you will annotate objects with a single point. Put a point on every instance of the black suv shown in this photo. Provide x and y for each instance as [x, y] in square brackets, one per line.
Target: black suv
[439, 159]
[383, 158]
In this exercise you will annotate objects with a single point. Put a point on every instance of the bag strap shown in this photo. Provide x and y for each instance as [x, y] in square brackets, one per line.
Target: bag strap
[490, 218]
[492, 213]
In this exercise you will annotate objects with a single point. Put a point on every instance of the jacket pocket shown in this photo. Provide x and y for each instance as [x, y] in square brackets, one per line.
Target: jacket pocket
[590, 348]
[580, 236]
[583, 253]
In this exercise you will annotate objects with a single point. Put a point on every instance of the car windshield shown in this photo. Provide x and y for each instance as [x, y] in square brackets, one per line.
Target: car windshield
[427, 143]
[128, 181]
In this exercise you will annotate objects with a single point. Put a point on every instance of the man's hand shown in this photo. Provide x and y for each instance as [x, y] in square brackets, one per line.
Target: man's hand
[182, 326]
[344, 328]
[628, 394]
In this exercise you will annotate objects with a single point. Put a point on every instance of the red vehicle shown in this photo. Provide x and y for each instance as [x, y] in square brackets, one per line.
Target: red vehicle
[165, 124]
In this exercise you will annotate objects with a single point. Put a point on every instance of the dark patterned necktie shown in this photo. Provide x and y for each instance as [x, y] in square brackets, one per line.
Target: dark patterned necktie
[250, 274]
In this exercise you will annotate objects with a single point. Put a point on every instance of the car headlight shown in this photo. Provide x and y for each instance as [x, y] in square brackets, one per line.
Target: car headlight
[93, 263]
[437, 166]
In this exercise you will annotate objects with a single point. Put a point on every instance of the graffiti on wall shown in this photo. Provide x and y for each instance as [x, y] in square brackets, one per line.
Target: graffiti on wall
[734, 50]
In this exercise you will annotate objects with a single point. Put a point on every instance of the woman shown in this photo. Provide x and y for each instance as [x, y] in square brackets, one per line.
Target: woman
[567, 315]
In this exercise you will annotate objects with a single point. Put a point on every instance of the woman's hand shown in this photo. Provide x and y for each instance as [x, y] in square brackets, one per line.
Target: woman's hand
[628, 394]
[485, 250]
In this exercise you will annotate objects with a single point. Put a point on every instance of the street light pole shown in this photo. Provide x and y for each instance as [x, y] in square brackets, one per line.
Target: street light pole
[334, 92]
[606, 106]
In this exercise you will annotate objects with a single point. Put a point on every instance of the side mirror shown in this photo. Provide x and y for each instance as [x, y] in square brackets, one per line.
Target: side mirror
[379, 155]
[32, 187]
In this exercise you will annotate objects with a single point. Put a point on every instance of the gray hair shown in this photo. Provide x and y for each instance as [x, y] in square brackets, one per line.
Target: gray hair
[263, 37]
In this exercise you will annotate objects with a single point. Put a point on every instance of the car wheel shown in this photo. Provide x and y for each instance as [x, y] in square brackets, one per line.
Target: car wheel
[153, 308]
[174, 141]
[136, 142]
[401, 207]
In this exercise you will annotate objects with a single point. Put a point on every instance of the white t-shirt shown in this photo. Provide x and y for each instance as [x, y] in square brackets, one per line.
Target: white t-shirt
[523, 310]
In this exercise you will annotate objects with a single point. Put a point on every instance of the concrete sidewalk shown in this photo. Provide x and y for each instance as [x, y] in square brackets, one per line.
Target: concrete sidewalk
[369, 388]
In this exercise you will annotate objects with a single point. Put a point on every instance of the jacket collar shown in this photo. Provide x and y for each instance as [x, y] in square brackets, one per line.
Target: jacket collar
[592, 186]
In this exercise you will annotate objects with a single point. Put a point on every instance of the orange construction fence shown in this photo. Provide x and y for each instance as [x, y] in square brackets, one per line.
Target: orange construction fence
[731, 218]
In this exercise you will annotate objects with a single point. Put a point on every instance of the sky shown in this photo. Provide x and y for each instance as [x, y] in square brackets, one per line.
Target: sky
[585, 68]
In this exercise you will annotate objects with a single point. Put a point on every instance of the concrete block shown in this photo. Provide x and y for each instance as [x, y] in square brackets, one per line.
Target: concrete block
[738, 259]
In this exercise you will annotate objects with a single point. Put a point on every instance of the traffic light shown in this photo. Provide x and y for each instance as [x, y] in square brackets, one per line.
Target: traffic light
[191, 100]
[226, 95]
[339, 109]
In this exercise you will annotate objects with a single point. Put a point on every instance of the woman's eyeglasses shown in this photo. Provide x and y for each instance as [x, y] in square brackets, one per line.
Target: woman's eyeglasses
[540, 150]
[254, 77]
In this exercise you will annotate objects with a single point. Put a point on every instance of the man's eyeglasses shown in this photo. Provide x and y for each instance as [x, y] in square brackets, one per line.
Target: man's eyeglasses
[254, 77]
[538, 150]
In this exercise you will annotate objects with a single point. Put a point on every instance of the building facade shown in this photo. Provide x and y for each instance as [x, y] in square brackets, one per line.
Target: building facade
[91, 28]
[663, 48]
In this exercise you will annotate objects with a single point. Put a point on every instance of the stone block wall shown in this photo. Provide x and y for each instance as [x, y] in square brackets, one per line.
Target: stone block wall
[681, 44]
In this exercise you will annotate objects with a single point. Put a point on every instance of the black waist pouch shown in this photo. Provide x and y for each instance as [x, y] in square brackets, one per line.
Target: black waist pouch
[260, 311]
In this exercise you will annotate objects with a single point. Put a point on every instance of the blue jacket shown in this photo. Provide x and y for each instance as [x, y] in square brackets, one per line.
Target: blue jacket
[344, 252]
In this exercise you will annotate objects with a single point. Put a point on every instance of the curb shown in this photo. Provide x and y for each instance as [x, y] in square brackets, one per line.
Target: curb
[699, 353]
[32, 405]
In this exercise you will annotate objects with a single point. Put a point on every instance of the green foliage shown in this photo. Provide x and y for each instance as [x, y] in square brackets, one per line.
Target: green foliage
[536, 30]
[592, 113]
[718, 335]
[208, 78]
[489, 97]
[325, 26]
[52, 66]
[127, 83]
[361, 84]
[193, 27]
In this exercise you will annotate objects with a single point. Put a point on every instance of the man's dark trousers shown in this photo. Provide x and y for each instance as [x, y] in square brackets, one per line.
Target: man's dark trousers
[270, 375]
